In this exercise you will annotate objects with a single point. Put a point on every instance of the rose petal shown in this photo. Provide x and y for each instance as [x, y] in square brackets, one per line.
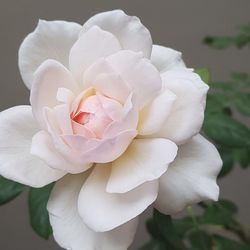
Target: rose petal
[106, 80]
[99, 67]
[76, 104]
[79, 129]
[17, 127]
[128, 121]
[62, 114]
[68, 228]
[50, 40]
[65, 95]
[187, 113]
[62, 145]
[191, 178]
[43, 147]
[54, 130]
[131, 33]
[145, 160]
[80, 150]
[102, 211]
[112, 86]
[166, 59]
[142, 76]
[92, 45]
[110, 107]
[154, 115]
[49, 77]
[86, 150]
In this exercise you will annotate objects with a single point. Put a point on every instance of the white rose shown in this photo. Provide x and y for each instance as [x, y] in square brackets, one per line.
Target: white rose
[108, 112]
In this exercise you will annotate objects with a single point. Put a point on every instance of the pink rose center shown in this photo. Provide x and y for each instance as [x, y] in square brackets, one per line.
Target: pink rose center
[95, 114]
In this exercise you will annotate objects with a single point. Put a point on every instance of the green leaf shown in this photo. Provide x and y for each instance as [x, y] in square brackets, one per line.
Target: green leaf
[183, 225]
[39, 218]
[9, 190]
[218, 42]
[200, 240]
[216, 103]
[219, 213]
[204, 74]
[225, 86]
[228, 161]
[239, 76]
[241, 40]
[167, 231]
[153, 245]
[242, 155]
[226, 131]
[242, 103]
[222, 243]
[153, 229]
[227, 205]
[245, 29]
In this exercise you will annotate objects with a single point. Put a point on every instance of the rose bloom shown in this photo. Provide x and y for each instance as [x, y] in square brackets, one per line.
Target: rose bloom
[114, 120]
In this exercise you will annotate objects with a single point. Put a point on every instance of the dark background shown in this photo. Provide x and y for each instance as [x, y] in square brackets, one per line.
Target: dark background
[180, 24]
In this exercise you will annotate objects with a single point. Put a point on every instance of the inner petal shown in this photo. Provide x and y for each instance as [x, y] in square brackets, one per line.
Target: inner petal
[95, 114]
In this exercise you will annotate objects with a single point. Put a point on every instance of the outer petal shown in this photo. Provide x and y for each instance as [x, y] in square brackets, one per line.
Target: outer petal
[191, 178]
[68, 228]
[145, 160]
[92, 45]
[102, 211]
[48, 79]
[187, 114]
[17, 127]
[131, 33]
[140, 74]
[43, 147]
[166, 59]
[154, 115]
[50, 40]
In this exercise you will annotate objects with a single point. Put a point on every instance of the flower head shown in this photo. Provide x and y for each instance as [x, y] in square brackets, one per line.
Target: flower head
[115, 121]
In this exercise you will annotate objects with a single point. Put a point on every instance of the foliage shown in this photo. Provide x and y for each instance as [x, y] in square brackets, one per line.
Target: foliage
[9, 190]
[230, 135]
[204, 232]
[240, 40]
[39, 218]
